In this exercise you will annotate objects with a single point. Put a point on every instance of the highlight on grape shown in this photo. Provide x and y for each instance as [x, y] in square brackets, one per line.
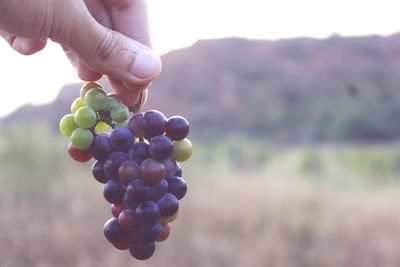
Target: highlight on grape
[136, 158]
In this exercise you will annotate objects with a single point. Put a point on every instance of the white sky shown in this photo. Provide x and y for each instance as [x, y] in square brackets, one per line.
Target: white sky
[179, 23]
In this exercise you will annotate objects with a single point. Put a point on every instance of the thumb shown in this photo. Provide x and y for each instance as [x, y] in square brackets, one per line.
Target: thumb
[107, 51]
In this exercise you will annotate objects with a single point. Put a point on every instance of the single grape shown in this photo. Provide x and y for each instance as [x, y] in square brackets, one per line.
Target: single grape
[96, 99]
[168, 205]
[77, 104]
[147, 213]
[119, 113]
[113, 191]
[161, 147]
[113, 101]
[116, 209]
[126, 219]
[142, 251]
[79, 155]
[123, 245]
[128, 171]
[101, 147]
[139, 152]
[152, 171]
[135, 124]
[87, 86]
[98, 172]
[158, 190]
[177, 128]
[148, 234]
[182, 150]
[101, 127]
[138, 191]
[81, 138]
[67, 125]
[153, 123]
[85, 117]
[114, 233]
[171, 167]
[178, 170]
[165, 220]
[121, 139]
[165, 232]
[177, 186]
[113, 162]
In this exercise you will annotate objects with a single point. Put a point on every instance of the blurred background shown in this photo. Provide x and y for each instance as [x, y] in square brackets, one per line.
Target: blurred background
[295, 120]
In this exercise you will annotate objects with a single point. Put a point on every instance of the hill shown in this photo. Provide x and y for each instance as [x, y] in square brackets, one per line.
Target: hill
[301, 89]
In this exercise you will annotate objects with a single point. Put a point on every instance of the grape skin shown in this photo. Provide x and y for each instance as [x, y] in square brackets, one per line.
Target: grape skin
[81, 138]
[67, 125]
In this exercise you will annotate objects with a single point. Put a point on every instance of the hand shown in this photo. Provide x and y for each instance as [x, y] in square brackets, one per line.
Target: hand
[108, 37]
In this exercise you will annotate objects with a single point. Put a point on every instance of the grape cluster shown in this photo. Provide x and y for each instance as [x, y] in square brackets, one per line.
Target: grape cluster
[137, 159]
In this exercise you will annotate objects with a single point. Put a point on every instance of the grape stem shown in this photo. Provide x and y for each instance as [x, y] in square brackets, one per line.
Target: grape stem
[136, 107]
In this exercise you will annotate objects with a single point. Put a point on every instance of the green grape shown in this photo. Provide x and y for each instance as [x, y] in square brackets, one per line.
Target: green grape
[122, 124]
[101, 127]
[119, 113]
[77, 104]
[67, 125]
[96, 99]
[81, 138]
[87, 86]
[113, 101]
[85, 117]
[182, 150]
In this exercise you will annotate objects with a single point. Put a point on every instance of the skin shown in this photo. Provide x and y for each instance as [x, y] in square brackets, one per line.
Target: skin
[100, 37]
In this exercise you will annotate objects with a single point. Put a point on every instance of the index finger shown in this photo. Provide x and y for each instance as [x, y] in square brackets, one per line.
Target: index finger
[130, 18]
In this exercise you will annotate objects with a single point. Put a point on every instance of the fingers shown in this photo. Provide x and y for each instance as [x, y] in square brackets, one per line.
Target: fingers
[129, 17]
[28, 46]
[109, 52]
[25, 46]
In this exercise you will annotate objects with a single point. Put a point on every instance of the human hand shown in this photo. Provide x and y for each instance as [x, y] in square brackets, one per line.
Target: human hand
[98, 37]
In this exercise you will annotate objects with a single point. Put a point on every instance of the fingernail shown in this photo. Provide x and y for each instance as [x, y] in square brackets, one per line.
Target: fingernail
[147, 64]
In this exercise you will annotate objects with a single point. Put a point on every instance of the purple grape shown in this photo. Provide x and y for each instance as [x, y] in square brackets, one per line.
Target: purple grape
[121, 139]
[139, 152]
[114, 233]
[98, 172]
[135, 124]
[148, 234]
[177, 186]
[142, 251]
[113, 191]
[147, 213]
[158, 190]
[128, 171]
[177, 128]
[126, 220]
[101, 147]
[153, 123]
[168, 205]
[161, 147]
[138, 191]
[152, 171]
[113, 162]
[178, 170]
[171, 167]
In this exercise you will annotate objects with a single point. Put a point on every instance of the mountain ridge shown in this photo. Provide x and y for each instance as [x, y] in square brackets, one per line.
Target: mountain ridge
[290, 89]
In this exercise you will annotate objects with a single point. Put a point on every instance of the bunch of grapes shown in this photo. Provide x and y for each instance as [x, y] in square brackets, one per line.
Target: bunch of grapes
[137, 159]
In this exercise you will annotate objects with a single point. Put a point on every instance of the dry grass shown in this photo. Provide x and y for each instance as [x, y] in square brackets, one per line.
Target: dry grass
[255, 219]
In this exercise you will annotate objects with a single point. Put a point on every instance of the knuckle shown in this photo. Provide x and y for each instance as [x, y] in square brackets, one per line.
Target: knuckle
[108, 47]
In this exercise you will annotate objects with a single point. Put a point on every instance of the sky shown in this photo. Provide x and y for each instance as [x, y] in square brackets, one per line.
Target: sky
[175, 24]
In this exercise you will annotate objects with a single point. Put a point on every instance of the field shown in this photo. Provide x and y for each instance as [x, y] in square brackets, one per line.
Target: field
[250, 203]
